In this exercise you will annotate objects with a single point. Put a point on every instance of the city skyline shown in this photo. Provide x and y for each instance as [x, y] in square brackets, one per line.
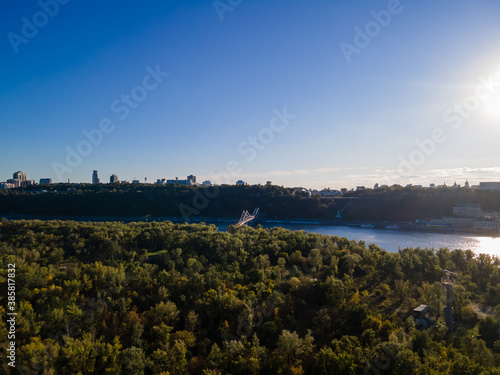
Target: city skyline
[318, 95]
[262, 179]
[20, 179]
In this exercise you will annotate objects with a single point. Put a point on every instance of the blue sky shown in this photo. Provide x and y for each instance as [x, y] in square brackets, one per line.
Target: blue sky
[349, 122]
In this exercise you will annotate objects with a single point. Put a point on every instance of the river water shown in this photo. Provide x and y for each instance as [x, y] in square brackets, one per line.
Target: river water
[393, 240]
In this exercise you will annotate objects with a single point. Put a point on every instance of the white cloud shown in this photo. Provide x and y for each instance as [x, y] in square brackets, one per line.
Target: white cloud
[326, 170]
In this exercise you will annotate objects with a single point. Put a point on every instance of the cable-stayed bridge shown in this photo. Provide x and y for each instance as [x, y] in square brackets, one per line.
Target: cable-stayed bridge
[246, 217]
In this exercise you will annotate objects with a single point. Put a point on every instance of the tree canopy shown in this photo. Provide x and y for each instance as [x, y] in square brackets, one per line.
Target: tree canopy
[153, 298]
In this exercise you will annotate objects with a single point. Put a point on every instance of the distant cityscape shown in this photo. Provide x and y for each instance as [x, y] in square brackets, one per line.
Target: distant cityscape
[466, 216]
[20, 180]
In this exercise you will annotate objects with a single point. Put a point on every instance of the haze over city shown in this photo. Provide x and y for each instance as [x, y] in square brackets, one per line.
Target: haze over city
[338, 94]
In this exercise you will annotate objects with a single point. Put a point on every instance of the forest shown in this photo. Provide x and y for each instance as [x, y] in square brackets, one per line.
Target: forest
[165, 298]
[161, 201]
[225, 201]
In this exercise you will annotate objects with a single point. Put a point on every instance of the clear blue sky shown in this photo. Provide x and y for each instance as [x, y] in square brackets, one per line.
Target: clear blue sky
[354, 120]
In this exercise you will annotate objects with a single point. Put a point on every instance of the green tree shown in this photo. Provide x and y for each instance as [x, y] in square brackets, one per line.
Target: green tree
[292, 349]
[133, 361]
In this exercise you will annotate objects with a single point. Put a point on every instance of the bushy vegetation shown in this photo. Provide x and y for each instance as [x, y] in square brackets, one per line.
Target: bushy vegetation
[164, 298]
[161, 201]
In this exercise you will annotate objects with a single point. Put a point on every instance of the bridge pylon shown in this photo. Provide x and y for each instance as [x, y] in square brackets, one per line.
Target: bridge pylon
[246, 217]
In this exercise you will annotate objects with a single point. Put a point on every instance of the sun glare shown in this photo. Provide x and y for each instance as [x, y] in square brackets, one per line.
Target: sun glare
[491, 106]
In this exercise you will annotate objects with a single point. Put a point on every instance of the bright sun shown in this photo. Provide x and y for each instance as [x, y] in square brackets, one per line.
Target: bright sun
[491, 106]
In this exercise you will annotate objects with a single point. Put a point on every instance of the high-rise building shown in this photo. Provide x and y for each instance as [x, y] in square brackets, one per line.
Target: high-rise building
[21, 176]
[45, 181]
[95, 177]
[14, 182]
[113, 179]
